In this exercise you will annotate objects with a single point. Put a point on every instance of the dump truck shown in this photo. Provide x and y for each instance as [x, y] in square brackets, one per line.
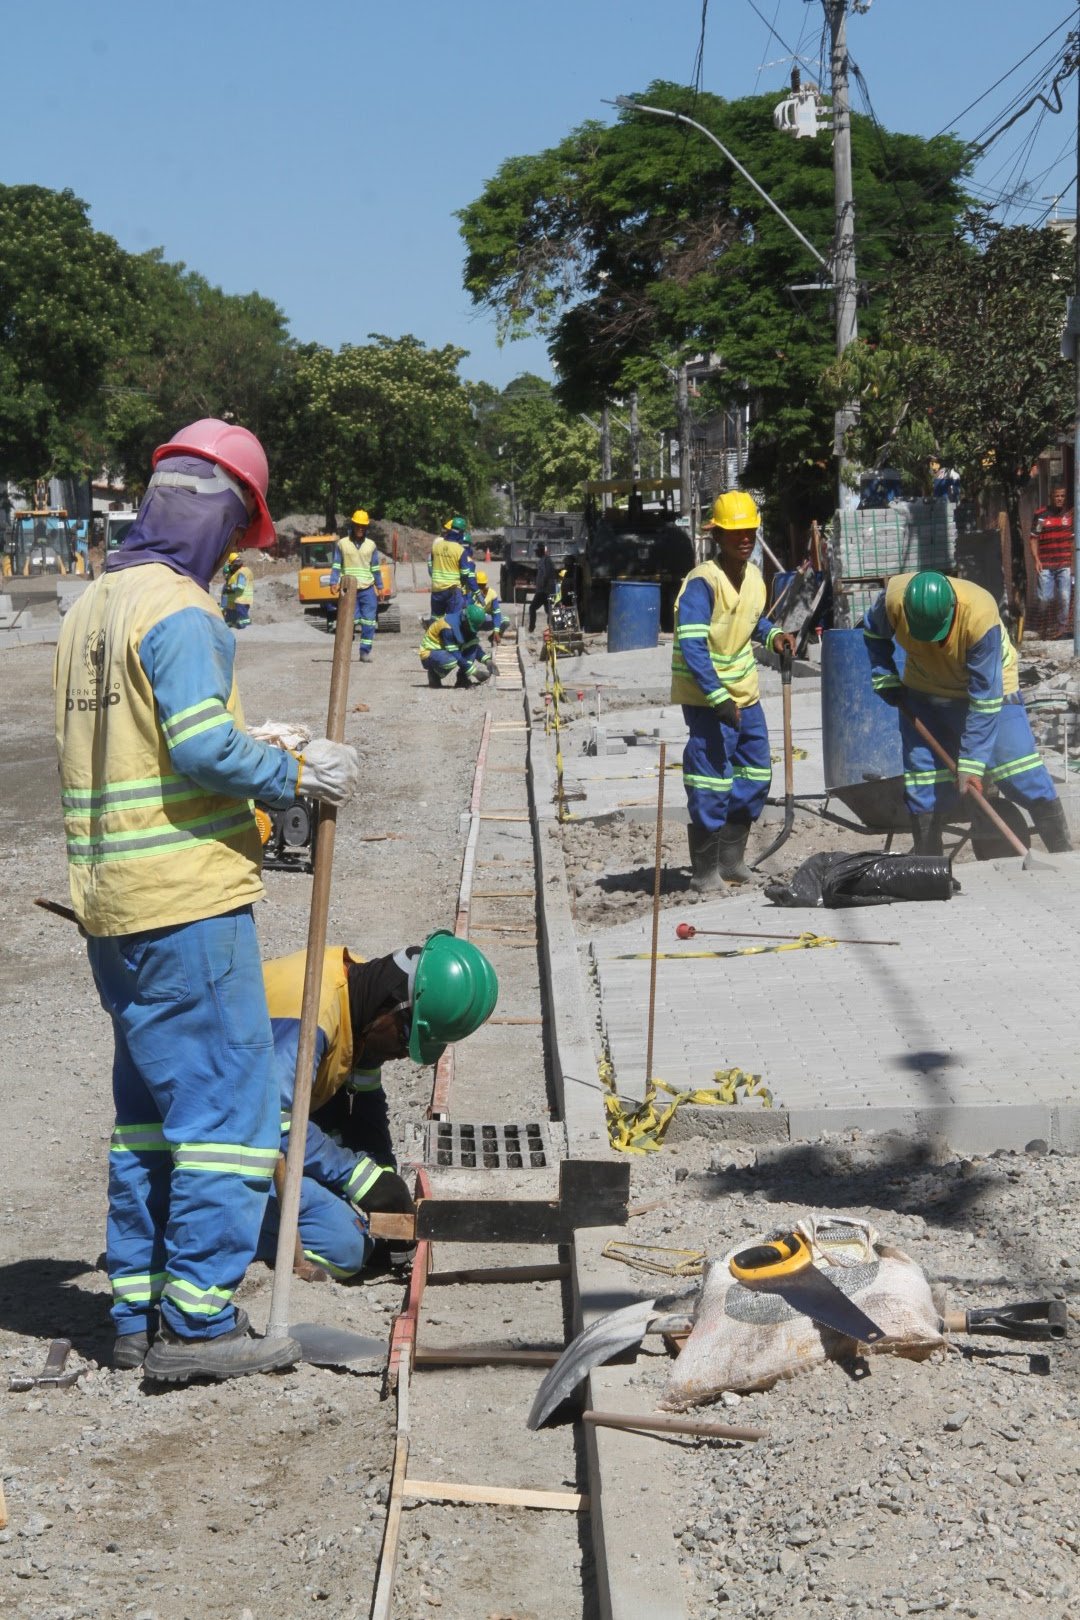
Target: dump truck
[517, 576]
[633, 541]
[317, 596]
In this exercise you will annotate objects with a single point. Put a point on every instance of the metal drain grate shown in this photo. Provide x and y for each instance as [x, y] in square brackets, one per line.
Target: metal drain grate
[491, 1147]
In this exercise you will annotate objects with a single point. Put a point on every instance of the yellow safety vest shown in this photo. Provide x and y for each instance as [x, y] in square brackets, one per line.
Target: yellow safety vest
[356, 561]
[940, 667]
[431, 642]
[147, 848]
[446, 558]
[284, 982]
[735, 616]
[240, 588]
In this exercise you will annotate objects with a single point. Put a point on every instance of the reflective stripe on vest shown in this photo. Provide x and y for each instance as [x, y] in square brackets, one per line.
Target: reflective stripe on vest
[735, 616]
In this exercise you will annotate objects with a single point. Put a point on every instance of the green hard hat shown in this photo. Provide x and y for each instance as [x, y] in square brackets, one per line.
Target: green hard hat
[454, 991]
[459, 525]
[929, 604]
[475, 616]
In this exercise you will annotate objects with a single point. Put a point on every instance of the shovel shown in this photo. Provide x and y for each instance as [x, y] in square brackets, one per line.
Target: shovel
[1030, 864]
[789, 781]
[325, 1346]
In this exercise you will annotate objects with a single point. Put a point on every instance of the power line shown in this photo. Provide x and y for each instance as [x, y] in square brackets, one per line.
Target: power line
[773, 35]
[1070, 14]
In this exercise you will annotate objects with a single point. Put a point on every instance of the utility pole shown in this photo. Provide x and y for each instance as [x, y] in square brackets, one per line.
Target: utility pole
[844, 282]
[1076, 426]
[635, 437]
[683, 397]
[605, 451]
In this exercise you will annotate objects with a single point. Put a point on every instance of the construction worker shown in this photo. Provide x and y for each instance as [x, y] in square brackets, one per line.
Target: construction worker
[547, 581]
[453, 572]
[409, 1004]
[450, 644]
[157, 776]
[959, 679]
[488, 599]
[356, 557]
[720, 609]
[237, 593]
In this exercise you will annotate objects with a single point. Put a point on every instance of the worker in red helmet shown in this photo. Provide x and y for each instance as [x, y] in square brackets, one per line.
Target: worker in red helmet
[157, 775]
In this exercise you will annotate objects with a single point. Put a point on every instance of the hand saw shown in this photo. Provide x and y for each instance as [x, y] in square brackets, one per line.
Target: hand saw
[785, 1266]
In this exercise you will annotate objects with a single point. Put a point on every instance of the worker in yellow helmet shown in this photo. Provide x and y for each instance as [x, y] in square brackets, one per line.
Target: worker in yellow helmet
[726, 764]
[356, 557]
[237, 593]
[488, 598]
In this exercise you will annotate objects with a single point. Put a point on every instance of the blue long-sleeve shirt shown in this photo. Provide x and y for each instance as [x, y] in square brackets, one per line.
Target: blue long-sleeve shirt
[695, 614]
[188, 659]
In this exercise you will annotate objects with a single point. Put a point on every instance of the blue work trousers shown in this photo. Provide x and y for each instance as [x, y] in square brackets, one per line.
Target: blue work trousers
[726, 771]
[331, 1232]
[367, 616]
[1014, 764]
[448, 601]
[197, 1119]
[239, 617]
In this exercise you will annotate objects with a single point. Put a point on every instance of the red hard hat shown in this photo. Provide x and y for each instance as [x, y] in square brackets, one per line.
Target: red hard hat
[239, 452]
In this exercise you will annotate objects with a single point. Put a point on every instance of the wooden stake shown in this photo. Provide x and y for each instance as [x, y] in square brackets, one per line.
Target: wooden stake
[661, 1423]
[655, 913]
[428, 1490]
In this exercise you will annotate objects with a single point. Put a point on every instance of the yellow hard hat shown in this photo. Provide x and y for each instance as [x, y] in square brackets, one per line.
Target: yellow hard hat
[734, 510]
[234, 556]
[360, 517]
[481, 577]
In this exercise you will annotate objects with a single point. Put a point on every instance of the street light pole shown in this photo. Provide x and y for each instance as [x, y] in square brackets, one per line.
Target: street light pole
[844, 282]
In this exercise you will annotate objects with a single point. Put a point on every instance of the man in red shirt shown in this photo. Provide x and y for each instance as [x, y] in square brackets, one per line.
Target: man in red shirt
[1052, 545]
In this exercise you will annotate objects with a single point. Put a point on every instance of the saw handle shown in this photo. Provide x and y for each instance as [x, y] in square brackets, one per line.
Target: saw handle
[783, 1257]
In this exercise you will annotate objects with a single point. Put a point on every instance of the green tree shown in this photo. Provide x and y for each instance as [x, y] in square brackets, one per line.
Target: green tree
[638, 242]
[389, 423]
[968, 366]
[66, 295]
[532, 442]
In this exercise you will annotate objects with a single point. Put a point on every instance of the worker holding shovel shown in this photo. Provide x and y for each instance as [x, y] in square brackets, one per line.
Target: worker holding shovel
[726, 761]
[157, 776]
[409, 1004]
[960, 684]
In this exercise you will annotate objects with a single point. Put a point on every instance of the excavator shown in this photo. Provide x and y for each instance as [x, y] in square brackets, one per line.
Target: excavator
[41, 540]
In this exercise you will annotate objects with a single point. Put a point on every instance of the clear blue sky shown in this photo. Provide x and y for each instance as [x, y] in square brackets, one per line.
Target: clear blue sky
[317, 154]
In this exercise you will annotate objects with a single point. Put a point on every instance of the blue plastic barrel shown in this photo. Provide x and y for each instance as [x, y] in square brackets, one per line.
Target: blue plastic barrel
[633, 614]
[860, 735]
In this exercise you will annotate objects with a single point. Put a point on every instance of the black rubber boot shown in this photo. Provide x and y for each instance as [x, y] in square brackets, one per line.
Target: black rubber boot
[173, 1360]
[1051, 826]
[926, 834]
[433, 678]
[704, 858]
[733, 867]
[129, 1351]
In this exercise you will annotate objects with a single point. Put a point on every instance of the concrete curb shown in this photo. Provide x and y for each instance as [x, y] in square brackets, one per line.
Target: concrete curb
[633, 1535]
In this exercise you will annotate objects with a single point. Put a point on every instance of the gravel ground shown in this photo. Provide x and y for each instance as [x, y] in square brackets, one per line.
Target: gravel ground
[945, 1486]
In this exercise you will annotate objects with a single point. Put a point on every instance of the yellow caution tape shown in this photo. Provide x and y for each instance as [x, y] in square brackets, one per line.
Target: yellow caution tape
[805, 942]
[796, 753]
[642, 1129]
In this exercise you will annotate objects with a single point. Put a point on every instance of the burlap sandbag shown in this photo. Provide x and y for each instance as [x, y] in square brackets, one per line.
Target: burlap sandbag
[744, 1339]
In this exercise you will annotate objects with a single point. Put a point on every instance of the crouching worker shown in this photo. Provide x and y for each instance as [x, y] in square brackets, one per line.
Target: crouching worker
[726, 762]
[410, 1004]
[960, 679]
[451, 647]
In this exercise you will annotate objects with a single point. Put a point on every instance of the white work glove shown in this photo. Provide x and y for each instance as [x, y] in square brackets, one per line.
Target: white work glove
[329, 771]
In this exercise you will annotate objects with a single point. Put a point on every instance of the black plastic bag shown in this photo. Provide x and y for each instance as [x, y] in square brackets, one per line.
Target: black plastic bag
[838, 880]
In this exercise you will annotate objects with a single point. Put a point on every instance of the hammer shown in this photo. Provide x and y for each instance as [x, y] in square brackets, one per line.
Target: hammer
[52, 1375]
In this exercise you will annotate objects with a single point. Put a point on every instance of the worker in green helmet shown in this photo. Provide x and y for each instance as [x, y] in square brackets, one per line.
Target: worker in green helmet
[412, 1003]
[960, 679]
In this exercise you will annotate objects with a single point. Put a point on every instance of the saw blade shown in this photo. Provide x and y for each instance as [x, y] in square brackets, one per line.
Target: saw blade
[815, 1296]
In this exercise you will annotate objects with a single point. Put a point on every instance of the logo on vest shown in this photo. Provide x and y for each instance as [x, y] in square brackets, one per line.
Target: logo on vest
[94, 654]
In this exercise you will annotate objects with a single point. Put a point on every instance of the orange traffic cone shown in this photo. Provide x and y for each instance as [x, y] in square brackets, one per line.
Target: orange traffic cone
[487, 553]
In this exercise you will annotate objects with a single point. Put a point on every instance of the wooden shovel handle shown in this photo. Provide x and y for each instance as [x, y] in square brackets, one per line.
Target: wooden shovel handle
[976, 798]
[278, 1326]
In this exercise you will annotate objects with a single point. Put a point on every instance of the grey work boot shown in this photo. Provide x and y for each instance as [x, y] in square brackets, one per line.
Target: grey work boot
[926, 834]
[704, 858]
[1051, 826]
[732, 840]
[173, 1360]
[129, 1349]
